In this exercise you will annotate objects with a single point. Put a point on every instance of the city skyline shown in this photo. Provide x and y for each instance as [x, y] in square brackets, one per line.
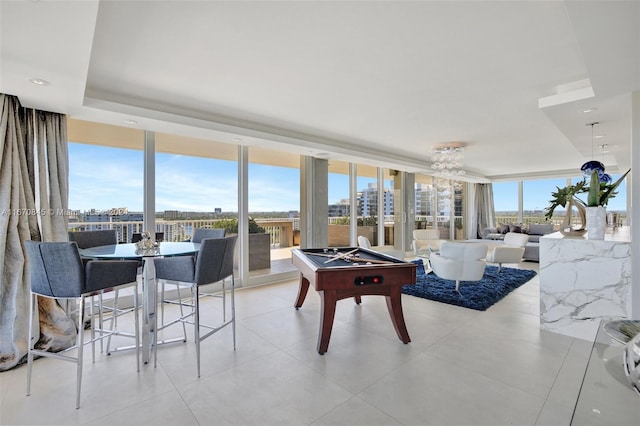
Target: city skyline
[104, 177]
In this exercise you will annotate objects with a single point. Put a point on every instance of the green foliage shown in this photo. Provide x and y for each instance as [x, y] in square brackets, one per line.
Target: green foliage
[368, 221]
[254, 228]
[362, 221]
[343, 220]
[231, 226]
[598, 194]
[563, 195]
[593, 197]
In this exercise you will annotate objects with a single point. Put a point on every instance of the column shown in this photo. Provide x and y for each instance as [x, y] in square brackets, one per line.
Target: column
[314, 202]
[149, 190]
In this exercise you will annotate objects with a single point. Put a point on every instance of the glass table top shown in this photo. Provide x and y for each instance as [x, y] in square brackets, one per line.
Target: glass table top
[131, 251]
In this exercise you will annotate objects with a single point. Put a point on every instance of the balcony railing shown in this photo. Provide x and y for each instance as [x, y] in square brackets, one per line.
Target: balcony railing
[284, 232]
[281, 230]
[557, 220]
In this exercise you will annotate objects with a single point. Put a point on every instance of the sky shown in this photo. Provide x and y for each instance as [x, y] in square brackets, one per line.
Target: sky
[103, 178]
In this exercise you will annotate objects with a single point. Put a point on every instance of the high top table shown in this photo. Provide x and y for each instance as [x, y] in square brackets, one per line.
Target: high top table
[149, 288]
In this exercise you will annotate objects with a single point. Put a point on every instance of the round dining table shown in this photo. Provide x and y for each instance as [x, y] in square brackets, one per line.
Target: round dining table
[131, 251]
[149, 287]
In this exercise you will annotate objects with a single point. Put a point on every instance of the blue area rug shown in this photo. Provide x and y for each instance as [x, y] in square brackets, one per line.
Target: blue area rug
[478, 295]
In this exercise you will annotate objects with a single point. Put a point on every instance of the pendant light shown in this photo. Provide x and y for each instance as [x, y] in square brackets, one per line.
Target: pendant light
[590, 166]
[605, 178]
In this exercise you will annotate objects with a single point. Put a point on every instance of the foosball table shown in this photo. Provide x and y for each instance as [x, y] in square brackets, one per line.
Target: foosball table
[341, 272]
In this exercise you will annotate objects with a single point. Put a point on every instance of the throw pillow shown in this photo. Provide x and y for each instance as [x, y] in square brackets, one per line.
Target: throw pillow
[515, 228]
[504, 228]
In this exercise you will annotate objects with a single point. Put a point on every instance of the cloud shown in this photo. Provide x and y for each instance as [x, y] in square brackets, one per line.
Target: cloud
[102, 178]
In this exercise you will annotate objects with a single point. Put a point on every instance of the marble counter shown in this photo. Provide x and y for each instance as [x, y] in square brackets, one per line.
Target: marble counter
[583, 282]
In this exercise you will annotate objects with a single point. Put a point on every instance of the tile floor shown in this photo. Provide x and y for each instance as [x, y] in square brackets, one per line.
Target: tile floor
[463, 367]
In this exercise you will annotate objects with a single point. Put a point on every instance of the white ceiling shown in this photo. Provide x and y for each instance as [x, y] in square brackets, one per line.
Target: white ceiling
[369, 81]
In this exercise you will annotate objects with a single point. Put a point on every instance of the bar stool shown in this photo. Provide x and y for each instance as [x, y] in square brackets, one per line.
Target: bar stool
[56, 270]
[213, 263]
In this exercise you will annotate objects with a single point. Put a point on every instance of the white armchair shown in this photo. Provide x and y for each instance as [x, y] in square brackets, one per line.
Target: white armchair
[459, 262]
[364, 242]
[509, 252]
[425, 241]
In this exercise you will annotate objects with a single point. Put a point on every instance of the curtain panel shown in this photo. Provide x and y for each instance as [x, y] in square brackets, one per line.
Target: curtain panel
[33, 206]
[484, 207]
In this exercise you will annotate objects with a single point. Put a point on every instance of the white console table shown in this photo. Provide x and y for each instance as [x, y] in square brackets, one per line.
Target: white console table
[584, 281]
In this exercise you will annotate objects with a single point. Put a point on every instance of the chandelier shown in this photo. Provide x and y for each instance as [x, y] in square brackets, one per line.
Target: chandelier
[449, 185]
[447, 160]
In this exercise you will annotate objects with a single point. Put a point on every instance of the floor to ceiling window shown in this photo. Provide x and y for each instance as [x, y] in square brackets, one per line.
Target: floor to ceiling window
[425, 202]
[367, 200]
[444, 189]
[505, 199]
[458, 210]
[388, 213]
[196, 185]
[535, 199]
[339, 204]
[274, 210]
[373, 211]
[105, 178]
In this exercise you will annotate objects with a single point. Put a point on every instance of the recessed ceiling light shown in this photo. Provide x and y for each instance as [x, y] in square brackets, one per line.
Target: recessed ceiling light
[236, 139]
[599, 136]
[130, 121]
[39, 82]
[590, 109]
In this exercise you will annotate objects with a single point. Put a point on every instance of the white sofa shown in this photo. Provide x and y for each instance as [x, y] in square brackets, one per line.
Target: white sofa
[533, 231]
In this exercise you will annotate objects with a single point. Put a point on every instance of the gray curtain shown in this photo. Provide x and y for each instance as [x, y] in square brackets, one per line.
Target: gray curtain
[33, 203]
[484, 207]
